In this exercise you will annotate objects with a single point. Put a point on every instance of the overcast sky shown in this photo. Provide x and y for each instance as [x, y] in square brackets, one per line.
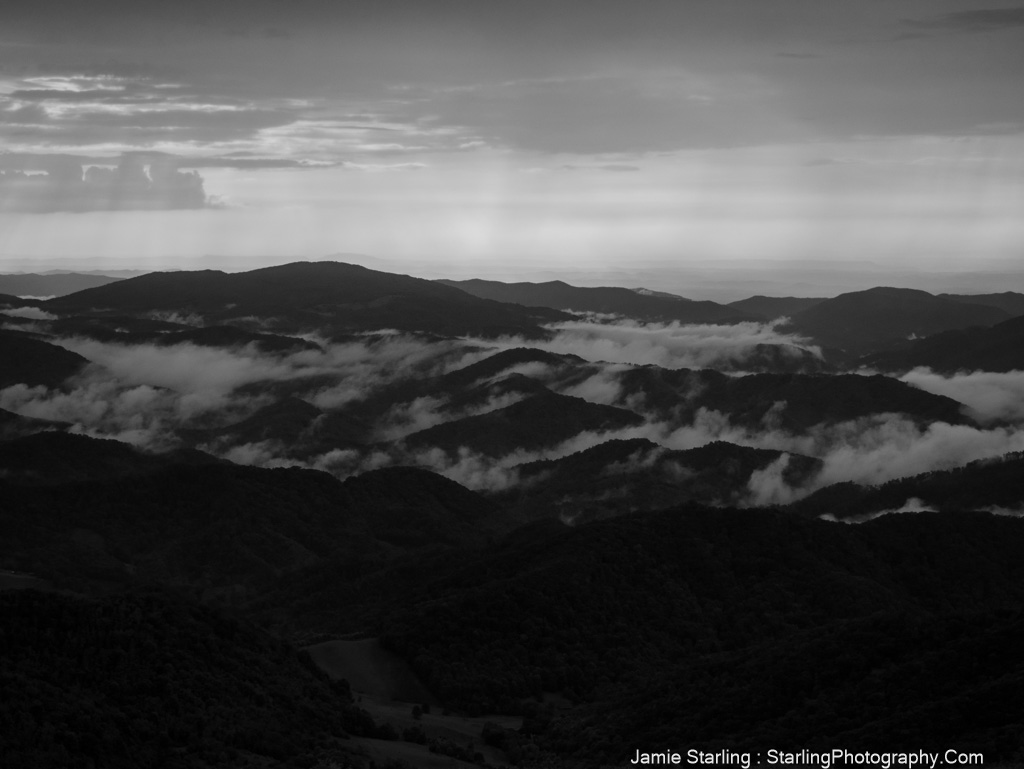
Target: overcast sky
[539, 133]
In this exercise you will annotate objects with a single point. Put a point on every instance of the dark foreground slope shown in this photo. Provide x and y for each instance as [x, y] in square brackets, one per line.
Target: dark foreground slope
[120, 518]
[149, 681]
[884, 683]
[603, 612]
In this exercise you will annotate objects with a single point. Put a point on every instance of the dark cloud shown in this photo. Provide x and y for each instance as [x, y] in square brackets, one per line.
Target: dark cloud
[978, 20]
[62, 183]
[614, 113]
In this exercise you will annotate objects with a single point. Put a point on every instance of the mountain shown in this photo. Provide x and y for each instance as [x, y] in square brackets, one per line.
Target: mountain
[617, 301]
[998, 348]
[131, 681]
[623, 476]
[29, 284]
[9, 300]
[119, 518]
[772, 307]
[1011, 302]
[538, 422]
[330, 296]
[611, 606]
[888, 682]
[56, 457]
[988, 484]
[793, 402]
[130, 331]
[32, 362]
[867, 321]
[301, 429]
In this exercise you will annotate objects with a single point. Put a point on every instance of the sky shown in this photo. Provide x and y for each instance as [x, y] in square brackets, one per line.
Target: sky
[695, 141]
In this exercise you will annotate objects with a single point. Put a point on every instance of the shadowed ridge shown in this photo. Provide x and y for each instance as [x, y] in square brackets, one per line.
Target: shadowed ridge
[863, 321]
[329, 295]
[614, 300]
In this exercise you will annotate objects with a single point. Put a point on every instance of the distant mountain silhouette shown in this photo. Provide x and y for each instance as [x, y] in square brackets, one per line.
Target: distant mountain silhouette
[1010, 301]
[866, 321]
[31, 361]
[772, 307]
[619, 301]
[29, 284]
[618, 477]
[997, 348]
[540, 421]
[321, 295]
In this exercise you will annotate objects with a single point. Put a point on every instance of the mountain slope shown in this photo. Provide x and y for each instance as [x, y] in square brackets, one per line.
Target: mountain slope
[998, 348]
[223, 531]
[618, 301]
[17, 426]
[537, 422]
[624, 476]
[325, 295]
[794, 402]
[31, 361]
[1010, 301]
[584, 610]
[772, 307]
[864, 321]
[987, 484]
[151, 681]
[29, 284]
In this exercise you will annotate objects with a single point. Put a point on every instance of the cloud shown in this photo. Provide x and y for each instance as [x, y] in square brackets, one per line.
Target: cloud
[143, 393]
[989, 396]
[131, 185]
[769, 485]
[33, 313]
[100, 406]
[912, 505]
[672, 345]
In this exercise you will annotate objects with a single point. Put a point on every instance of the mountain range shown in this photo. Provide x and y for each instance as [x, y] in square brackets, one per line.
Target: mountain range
[311, 295]
[567, 550]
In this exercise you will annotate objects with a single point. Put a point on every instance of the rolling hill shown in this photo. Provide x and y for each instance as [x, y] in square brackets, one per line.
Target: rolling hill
[772, 307]
[997, 348]
[31, 361]
[868, 321]
[311, 295]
